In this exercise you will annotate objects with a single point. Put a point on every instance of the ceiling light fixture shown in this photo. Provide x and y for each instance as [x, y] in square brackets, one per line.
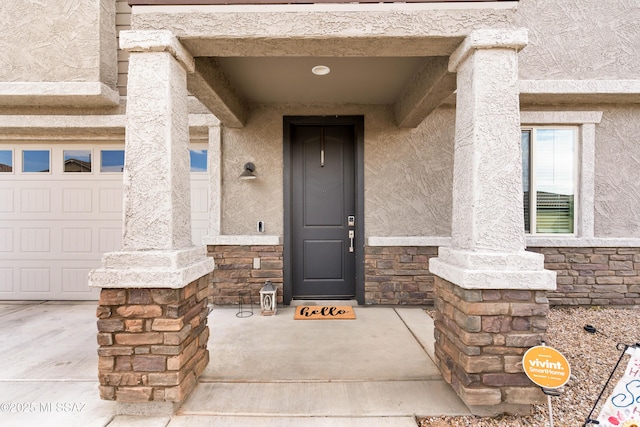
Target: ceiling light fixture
[321, 70]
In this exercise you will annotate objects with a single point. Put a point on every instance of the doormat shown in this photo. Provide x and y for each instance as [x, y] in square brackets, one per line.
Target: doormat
[330, 312]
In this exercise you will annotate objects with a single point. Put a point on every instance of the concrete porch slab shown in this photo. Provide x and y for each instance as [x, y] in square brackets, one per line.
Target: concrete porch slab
[421, 327]
[196, 421]
[377, 346]
[229, 421]
[329, 372]
[139, 421]
[326, 399]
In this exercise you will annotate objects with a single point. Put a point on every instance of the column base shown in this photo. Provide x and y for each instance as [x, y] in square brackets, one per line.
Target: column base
[152, 344]
[481, 336]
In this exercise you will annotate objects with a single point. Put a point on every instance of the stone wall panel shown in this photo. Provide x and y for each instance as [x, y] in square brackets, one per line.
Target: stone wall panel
[154, 351]
[235, 272]
[593, 276]
[490, 380]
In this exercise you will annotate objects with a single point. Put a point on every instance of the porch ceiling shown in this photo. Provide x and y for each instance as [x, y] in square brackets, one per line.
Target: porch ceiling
[290, 80]
[413, 85]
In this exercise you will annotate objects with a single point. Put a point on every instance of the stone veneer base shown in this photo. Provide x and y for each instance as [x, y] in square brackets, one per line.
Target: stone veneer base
[594, 276]
[236, 271]
[480, 338]
[152, 344]
[399, 275]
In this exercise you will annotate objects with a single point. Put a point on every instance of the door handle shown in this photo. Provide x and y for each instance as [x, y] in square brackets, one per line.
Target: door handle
[352, 236]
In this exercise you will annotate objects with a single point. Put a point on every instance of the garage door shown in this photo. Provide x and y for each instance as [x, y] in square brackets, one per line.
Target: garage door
[61, 209]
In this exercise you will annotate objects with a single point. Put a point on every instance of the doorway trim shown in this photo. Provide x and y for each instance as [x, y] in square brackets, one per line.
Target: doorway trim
[358, 126]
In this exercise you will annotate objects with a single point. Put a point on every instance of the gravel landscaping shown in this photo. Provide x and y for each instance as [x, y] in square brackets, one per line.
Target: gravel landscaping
[592, 357]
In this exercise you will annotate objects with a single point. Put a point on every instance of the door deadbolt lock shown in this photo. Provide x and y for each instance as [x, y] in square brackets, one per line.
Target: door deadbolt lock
[351, 220]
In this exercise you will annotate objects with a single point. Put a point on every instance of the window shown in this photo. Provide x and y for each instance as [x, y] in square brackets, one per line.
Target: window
[111, 160]
[549, 158]
[77, 160]
[36, 160]
[198, 159]
[6, 161]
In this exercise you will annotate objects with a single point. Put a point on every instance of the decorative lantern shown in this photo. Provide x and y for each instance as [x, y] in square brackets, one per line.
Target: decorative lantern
[268, 299]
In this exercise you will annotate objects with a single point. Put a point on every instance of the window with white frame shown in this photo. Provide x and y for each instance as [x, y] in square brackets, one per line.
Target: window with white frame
[549, 180]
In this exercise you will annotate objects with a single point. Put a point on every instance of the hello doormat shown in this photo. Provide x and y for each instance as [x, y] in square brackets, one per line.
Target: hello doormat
[330, 312]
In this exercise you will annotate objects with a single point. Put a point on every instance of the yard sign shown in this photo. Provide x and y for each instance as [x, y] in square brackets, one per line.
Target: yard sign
[622, 408]
[546, 367]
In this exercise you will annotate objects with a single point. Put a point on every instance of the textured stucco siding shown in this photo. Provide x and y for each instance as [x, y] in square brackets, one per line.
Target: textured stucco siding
[123, 22]
[270, 31]
[244, 202]
[408, 176]
[590, 39]
[58, 41]
[617, 173]
[586, 39]
[408, 173]
[70, 40]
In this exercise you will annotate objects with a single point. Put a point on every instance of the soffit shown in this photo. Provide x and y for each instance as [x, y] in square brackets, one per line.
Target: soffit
[290, 80]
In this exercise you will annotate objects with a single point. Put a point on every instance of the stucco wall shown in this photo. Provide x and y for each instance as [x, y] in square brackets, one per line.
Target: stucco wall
[58, 41]
[407, 172]
[70, 40]
[244, 202]
[586, 39]
[408, 176]
[617, 173]
[589, 39]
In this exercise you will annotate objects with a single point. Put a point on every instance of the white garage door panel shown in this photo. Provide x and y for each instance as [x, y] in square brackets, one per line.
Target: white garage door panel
[80, 239]
[55, 226]
[40, 280]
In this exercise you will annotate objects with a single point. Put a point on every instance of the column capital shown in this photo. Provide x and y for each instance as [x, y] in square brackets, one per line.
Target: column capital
[170, 269]
[157, 41]
[515, 38]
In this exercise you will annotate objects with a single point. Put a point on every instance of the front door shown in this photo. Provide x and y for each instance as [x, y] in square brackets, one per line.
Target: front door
[322, 210]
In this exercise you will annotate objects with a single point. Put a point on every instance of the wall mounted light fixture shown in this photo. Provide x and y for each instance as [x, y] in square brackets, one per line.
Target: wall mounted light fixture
[248, 173]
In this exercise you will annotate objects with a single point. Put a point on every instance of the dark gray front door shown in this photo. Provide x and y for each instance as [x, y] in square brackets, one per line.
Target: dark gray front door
[323, 211]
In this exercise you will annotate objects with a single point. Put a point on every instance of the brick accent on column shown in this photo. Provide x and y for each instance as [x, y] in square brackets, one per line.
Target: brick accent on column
[481, 336]
[235, 271]
[594, 276]
[398, 275]
[152, 342]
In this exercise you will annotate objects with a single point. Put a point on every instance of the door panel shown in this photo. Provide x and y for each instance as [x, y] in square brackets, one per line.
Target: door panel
[323, 196]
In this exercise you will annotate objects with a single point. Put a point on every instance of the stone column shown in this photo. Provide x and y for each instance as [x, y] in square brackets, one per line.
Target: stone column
[152, 312]
[489, 291]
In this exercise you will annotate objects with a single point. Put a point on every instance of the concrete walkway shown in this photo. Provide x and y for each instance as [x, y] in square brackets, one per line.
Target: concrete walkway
[264, 371]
